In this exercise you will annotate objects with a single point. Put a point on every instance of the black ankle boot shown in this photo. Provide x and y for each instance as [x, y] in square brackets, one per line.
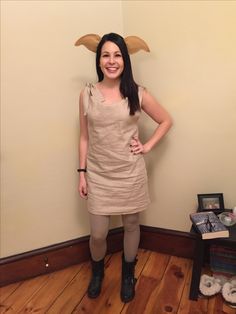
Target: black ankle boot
[128, 281]
[95, 284]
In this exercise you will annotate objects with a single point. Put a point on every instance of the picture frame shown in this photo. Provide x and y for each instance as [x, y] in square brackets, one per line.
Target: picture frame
[211, 202]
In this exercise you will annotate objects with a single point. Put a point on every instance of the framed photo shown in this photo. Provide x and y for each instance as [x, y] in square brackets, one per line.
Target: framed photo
[211, 202]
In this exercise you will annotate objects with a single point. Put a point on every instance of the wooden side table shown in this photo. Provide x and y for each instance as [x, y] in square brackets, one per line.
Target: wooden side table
[200, 249]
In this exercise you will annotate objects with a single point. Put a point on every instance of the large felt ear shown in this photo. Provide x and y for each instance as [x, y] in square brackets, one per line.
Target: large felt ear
[90, 41]
[134, 44]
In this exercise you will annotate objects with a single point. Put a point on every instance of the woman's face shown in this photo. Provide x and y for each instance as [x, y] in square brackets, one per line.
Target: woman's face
[111, 61]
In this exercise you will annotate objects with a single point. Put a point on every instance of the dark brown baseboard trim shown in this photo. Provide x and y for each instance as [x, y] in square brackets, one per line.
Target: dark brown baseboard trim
[41, 261]
[167, 241]
[55, 257]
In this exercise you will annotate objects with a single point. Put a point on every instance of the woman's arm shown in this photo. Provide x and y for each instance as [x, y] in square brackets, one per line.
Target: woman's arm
[151, 106]
[83, 148]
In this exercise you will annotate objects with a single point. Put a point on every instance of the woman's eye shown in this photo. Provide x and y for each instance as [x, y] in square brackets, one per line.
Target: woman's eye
[118, 55]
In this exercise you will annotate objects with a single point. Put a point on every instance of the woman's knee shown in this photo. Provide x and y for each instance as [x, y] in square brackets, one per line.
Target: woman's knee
[130, 222]
[98, 237]
[99, 226]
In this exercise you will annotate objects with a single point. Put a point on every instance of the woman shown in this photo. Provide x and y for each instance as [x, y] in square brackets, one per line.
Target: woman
[112, 171]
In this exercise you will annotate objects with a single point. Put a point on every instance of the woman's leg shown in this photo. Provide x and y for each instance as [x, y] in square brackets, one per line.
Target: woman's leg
[131, 243]
[99, 226]
[131, 236]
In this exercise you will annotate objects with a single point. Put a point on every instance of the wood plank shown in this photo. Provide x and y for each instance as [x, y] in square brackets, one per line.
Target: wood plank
[109, 300]
[55, 284]
[22, 294]
[168, 296]
[217, 305]
[148, 282]
[227, 309]
[162, 288]
[73, 293]
[110, 288]
[187, 306]
[6, 291]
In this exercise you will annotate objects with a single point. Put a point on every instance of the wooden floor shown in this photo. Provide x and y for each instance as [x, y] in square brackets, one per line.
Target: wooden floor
[162, 287]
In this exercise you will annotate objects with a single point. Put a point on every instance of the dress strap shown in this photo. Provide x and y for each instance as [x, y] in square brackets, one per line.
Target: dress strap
[86, 97]
[140, 94]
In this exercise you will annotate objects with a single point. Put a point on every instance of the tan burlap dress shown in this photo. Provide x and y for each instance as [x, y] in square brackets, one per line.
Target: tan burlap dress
[117, 179]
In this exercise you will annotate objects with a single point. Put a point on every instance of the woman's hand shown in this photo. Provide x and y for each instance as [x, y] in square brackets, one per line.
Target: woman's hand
[137, 147]
[83, 186]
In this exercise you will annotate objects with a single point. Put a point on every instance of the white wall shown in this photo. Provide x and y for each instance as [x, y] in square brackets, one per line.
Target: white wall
[42, 74]
[191, 69]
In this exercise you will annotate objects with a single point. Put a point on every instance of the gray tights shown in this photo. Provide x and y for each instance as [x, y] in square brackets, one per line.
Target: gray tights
[99, 225]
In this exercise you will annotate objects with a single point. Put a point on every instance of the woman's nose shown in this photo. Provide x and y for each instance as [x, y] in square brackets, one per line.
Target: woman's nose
[111, 59]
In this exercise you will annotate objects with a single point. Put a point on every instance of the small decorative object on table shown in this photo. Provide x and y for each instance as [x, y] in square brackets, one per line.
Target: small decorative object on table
[209, 225]
[227, 218]
[234, 211]
[213, 202]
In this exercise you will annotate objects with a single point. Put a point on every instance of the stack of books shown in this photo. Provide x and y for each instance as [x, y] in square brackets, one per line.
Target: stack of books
[208, 225]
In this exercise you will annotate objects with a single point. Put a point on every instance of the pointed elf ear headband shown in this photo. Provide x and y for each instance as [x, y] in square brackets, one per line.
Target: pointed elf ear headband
[133, 43]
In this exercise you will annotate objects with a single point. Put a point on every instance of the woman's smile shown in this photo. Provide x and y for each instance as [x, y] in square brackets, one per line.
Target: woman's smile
[112, 69]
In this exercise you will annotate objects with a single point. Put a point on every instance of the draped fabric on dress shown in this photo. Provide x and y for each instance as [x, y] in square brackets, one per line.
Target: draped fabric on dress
[117, 179]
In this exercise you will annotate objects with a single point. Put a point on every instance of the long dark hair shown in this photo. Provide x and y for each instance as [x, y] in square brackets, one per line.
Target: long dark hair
[128, 87]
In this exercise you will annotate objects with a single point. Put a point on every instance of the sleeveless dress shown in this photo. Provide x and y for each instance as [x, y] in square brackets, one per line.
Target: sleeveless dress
[116, 179]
